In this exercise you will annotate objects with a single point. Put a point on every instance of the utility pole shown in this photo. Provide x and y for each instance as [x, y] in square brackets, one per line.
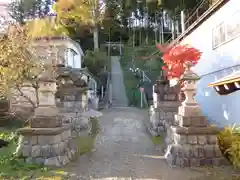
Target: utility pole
[120, 45]
[110, 69]
[182, 21]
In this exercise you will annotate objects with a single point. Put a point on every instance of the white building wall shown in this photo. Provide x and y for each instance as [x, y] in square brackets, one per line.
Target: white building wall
[220, 110]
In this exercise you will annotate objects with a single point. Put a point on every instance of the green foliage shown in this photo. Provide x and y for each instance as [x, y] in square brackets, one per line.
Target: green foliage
[16, 168]
[95, 61]
[229, 143]
[16, 53]
[10, 165]
[95, 127]
[157, 140]
[85, 144]
[46, 27]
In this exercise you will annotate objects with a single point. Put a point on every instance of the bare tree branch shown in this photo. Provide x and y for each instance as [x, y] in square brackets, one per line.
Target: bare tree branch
[26, 97]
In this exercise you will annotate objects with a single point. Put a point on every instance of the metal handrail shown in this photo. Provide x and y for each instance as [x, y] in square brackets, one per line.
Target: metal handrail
[200, 10]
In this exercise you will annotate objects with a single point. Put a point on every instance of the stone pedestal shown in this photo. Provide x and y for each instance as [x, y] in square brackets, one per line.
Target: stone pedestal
[47, 146]
[191, 140]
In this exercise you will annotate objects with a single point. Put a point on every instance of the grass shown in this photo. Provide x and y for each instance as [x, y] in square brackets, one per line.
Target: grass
[157, 140]
[12, 168]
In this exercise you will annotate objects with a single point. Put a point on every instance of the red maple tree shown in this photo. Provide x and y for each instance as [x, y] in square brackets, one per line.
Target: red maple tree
[175, 58]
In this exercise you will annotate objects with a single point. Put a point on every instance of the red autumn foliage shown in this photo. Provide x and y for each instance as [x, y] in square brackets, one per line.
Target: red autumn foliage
[175, 57]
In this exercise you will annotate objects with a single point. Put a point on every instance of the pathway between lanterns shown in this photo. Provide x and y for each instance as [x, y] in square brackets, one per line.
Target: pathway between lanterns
[124, 151]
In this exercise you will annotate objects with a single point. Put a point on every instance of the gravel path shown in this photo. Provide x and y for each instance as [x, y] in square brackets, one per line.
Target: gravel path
[124, 151]
[118, 89]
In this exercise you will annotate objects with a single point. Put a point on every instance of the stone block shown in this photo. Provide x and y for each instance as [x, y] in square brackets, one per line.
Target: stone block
[206, 162]
[61, 146]
[56, 149]
[190, 111]
[202, 139]
[212, 139]
[199, 121]
[29, 160]
[220, 161]
[217, 151]
[192, 139]
[180, 139]
[42, 121]
[25, 140]
[63, 160]
[34, 140]
[39, 161]
[188, 151]
[52, 162]
[36, 151]
[43, 140]
[198, 151]
[194, 162]
[182, 121]
[179, 161]
[56, 139]
[209, 151]
[26, 150]
[46, 151]
[177, 150]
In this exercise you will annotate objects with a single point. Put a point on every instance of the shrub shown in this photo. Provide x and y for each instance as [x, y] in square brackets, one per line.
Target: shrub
[229, 143]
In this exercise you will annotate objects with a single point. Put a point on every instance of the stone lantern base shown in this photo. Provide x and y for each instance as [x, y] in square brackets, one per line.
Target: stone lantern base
[192, 141]
[47, 146]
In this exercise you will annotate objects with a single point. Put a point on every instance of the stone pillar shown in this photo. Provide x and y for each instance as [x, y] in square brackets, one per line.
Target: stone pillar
[84, 101]
[192, 141]
[46, 141]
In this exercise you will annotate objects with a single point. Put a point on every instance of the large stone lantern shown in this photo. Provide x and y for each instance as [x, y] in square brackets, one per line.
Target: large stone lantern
[47, 141]
[46, 114]
[192, 141]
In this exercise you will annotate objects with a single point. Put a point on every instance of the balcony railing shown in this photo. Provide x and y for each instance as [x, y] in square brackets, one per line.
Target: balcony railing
[199, 11]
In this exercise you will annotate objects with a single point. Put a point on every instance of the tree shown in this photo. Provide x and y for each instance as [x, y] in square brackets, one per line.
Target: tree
[95, 62]
[22, 10]
[81, 11]
[176, 57]
[18, 63]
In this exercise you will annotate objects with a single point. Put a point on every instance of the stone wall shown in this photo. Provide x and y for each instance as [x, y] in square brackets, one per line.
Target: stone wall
[50, 148]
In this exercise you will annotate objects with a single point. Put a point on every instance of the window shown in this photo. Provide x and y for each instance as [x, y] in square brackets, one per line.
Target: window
[71, 58]
[233, 26]
[227, 30]
[219, 35]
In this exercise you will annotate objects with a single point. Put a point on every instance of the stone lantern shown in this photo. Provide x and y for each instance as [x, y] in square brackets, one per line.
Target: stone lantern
[191, 140]
[46, 114]
[47, 141]
[189, 79]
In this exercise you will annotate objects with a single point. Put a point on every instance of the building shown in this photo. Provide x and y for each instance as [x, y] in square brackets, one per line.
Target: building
[69, 51]
[216, 33]
[4, 16]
